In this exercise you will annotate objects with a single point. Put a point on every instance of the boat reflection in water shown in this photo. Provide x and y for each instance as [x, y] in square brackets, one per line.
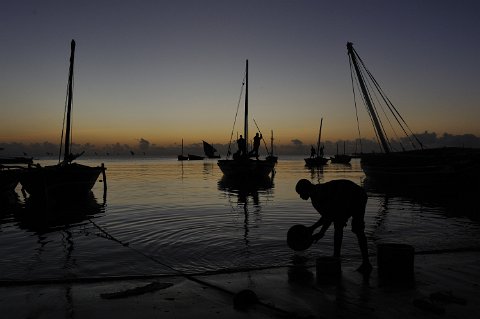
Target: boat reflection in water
[37, 217]
[245, 189]
[454, 199]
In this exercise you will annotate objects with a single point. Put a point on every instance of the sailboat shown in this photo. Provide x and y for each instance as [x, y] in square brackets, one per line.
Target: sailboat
[270, 156]
[209, 150]
[318, 159]
[192, 157]
[241, 166]
[65, 180]
[182, 157]
[420, 165]
[341, 158]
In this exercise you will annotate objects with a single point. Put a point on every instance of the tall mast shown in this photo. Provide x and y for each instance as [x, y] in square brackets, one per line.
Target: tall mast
[66, 155]
[319, 136]
[352, 53]
[271, 143]
[245, 128]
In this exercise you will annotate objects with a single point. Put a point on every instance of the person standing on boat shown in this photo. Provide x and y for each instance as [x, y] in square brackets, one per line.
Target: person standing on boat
[337, 201]
[312, 152]
[256, 144]
[242, 146]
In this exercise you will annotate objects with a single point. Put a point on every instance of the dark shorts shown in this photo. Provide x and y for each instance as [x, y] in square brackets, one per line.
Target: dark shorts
[357, 221]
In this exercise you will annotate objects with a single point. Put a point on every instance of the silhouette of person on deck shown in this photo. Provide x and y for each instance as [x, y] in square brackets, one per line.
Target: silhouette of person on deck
[312, 152]
[256, 144]
[336, 201]
[242, 147]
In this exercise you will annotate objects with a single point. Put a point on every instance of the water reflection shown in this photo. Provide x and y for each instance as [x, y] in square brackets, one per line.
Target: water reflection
[246, 190]
[316, 173]
[37, 217]
[9, 203]
[454, 200]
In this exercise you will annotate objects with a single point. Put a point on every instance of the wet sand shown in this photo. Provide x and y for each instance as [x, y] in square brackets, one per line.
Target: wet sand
[446, 285]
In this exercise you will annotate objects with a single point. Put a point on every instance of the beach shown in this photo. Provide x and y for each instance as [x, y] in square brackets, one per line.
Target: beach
[284, 292]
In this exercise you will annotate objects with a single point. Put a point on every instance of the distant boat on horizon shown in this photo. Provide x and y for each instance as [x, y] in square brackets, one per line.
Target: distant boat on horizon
[436, 166]
[209, 150]
[192, 157]
[318, 159]
[65, 180]
[182, 157]
[341, 158]
[271, 157]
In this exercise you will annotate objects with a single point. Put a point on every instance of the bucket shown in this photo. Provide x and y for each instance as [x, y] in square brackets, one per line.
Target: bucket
[395, 262]
[299, 237]
[328, 269]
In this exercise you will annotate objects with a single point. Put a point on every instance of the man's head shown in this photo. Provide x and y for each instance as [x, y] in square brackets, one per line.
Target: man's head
[303, 188]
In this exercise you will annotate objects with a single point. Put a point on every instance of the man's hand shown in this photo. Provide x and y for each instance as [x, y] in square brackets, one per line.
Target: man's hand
[317, 236]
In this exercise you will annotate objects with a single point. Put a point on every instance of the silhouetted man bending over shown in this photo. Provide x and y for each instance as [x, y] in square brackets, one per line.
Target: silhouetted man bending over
[337, 201]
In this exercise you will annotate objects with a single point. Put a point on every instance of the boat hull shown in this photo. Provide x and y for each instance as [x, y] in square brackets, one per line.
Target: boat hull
[341, 159]
[430, 166]
[246, 168]
[60, 181]
[316, 161]
[195, 157]
[9, 179]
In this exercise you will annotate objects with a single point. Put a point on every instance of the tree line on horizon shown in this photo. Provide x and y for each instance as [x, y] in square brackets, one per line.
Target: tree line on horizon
[296, 147]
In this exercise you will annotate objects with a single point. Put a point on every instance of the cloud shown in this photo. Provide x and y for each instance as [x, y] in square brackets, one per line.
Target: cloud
[296, 142]
[143, 144]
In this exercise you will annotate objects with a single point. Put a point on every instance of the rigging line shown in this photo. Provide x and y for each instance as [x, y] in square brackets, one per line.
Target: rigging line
[390, 106]
[370, 97]
[368, 110]
[370, 89]
[236, 113]
[356, 109]
[180, 273]
[395, 111]
[392, 127]
[262, 136]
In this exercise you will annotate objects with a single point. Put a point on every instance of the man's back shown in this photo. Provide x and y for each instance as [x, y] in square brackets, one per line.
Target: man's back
[339, 199]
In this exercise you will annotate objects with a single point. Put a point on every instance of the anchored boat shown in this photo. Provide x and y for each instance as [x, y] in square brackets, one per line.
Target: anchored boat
[241, 166]
[66, 179]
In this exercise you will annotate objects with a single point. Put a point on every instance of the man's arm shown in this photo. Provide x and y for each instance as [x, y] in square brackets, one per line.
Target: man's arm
[321, 233]
[317, 224]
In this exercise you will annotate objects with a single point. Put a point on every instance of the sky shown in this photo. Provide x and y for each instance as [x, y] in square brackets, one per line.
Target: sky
[163, 71]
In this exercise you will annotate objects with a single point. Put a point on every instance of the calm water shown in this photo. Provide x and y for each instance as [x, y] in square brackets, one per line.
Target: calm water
[161, 216]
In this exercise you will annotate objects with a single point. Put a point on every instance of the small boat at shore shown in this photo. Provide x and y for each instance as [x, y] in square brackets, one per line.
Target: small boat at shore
[67, 179]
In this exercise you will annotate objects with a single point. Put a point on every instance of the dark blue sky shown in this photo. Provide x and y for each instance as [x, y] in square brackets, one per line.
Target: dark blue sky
[163, 70]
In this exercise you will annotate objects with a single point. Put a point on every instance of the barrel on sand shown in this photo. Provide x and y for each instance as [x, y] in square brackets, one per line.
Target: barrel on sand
[328, 268]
